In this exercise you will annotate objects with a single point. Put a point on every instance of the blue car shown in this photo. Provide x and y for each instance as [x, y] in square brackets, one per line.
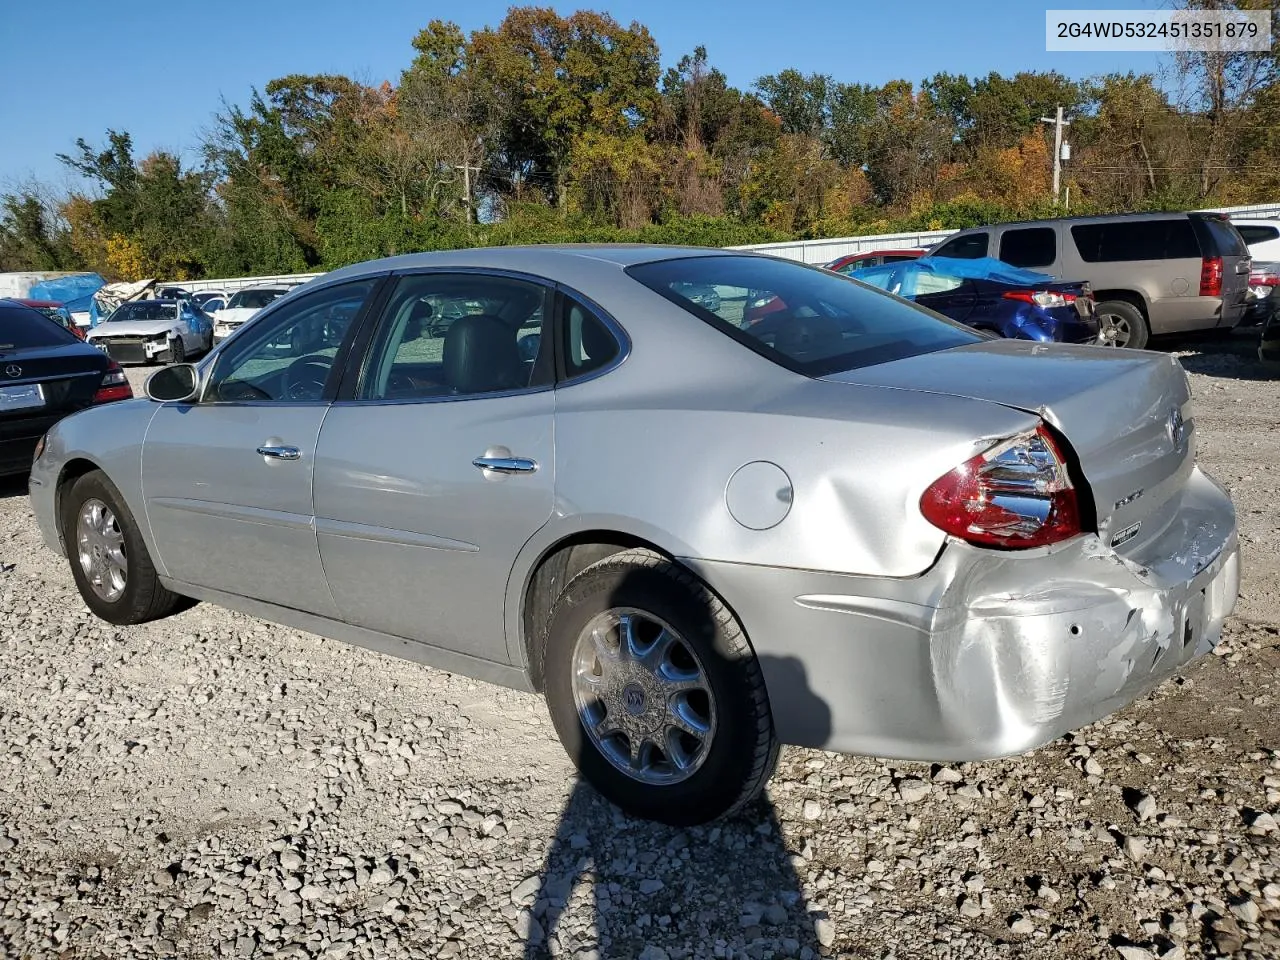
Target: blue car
[990, 295]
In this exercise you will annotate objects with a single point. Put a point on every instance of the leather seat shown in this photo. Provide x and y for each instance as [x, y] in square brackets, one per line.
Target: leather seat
[481, 356]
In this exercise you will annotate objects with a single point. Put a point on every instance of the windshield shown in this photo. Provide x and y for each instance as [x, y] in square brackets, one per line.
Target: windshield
[254, 299]
[806, 319]
[141, 310]
[22, 328]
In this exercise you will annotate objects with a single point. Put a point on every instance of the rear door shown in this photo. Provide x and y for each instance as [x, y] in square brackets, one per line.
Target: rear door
[950, 296]
[1032, 248]
[436, 465]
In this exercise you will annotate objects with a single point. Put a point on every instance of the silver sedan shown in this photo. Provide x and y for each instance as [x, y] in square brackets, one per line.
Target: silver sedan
[699, 530]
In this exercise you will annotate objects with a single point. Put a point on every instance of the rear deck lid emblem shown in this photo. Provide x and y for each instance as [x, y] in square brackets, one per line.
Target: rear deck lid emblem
[13, 370]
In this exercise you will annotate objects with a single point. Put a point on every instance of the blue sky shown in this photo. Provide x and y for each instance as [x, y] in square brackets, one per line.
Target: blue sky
[160, 69]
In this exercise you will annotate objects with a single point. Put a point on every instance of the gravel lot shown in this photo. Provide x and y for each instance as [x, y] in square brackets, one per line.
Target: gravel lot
[212, 785]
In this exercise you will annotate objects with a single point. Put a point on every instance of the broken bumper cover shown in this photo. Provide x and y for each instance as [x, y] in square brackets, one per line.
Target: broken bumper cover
[989, 653]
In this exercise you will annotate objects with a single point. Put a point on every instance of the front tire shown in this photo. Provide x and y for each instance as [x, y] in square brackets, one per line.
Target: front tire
[109, 560]
[655, 692]
[178, 350]
[1122, 325]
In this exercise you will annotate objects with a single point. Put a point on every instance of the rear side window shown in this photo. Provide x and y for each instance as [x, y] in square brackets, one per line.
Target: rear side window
[1127, 240]
[1220, 238]
[819, 323]
[22, 328]
[588, 344]
[971, 246]
[1256, 233]
[1030, 247]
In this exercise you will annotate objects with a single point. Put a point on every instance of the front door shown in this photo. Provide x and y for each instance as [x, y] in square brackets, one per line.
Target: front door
[227, 480]
[439, 467]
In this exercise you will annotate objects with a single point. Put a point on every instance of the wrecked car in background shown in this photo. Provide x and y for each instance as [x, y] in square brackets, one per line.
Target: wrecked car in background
[990, 295]
[864, 527]
[150, 331]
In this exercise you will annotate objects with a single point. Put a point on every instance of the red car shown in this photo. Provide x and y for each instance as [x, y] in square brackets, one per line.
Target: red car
[759, 308]
[53, 310]
[871, 258]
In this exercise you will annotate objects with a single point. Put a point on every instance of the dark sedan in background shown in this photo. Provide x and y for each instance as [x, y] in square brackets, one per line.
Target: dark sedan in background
[991, 296]
[45, 374]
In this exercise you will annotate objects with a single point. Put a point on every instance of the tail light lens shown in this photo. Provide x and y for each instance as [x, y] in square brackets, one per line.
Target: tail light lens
[114, 386]
[1211, 277]
[1042, 298]
[1018, 494]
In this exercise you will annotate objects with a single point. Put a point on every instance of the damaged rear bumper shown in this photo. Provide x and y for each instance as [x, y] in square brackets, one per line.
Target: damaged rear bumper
[989, 653]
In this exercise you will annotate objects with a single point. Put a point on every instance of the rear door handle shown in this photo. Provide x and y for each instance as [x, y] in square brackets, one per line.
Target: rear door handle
[506, 464]
[281, 453]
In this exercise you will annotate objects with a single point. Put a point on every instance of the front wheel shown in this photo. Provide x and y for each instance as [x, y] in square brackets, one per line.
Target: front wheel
[656, 693]
[109, 560]
[178, 350]
[1121, 324]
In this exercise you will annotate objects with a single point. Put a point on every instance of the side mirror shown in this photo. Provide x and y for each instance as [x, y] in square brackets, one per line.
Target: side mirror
[179, 383]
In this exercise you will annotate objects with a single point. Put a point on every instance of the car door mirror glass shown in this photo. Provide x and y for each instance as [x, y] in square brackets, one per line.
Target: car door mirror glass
[178, 383]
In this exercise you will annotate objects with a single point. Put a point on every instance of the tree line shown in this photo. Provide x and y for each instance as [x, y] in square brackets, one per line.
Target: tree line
[550, 128]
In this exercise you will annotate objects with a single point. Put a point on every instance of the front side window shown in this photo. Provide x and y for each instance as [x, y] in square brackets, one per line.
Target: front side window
[1029, 247]
[971, 246]
[290, 354]
[450, 335]
[818, 323]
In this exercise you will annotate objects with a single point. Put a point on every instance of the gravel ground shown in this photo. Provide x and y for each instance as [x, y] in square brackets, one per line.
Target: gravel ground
[213, 785]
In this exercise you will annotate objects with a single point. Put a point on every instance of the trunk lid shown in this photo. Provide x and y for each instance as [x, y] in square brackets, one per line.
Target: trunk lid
[1125, 414]
[67, 378]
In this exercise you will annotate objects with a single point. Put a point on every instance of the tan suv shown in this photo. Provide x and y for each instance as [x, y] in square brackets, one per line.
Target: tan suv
[1151, 273]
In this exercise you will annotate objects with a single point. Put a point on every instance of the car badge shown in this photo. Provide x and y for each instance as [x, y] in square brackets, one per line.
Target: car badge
[13, 370]
[1177, 427]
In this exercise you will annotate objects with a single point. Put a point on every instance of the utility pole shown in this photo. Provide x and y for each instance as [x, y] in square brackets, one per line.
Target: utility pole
[1058, 124]
[466, 185]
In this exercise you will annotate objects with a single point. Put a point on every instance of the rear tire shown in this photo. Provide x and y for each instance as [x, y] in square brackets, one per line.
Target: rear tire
[709, 681]
[1127, 324]
[109, 560]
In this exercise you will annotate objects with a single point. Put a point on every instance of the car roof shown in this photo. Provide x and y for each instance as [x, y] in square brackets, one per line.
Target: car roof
[1094, 218]
[532, 258]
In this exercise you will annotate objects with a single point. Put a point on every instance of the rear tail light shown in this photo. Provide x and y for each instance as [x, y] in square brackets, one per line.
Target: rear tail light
[1017, 494]
[114, 386]
[1042, 298]
[1211, 277]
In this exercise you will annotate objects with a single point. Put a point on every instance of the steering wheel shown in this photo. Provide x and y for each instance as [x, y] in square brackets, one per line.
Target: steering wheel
[304, 379]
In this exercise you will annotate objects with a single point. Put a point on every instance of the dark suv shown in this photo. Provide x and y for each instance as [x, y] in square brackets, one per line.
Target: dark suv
[1151, 273]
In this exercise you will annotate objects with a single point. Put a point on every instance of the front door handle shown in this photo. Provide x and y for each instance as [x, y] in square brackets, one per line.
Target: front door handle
[281, 453]
[506, 464]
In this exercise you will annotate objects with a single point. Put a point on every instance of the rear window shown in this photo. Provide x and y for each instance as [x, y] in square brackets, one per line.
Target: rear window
[1223, 239]
[969, 247]
[808, 320]
[1256, 233]
[253, 299]
[22, 328]
[1029, 247]
[1126, 240]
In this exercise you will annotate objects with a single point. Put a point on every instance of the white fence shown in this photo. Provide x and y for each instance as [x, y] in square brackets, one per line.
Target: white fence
[824, 251]
[237, 283]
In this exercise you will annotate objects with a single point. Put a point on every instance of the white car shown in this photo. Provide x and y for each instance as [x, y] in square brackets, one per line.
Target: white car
[211, 301]
[1261, 236]
[242, 306]
[146, 331]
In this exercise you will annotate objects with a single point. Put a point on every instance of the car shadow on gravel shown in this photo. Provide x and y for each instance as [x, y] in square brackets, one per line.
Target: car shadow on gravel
[657, 892]
[1233, 355]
